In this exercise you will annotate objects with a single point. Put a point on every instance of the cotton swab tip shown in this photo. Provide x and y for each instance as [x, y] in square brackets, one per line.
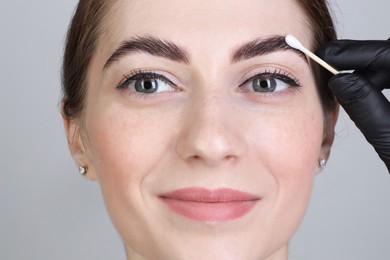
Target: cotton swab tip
[294, 42]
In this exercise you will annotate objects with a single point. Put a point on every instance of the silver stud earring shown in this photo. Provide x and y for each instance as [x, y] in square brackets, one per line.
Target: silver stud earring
[83, 170]
[322, 163]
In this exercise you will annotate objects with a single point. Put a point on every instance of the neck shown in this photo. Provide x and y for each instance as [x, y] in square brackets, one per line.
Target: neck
[281, 254]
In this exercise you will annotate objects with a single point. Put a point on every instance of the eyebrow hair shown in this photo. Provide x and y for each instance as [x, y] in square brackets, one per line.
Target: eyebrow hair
[170, 50]
[151, 45]
[262, 47]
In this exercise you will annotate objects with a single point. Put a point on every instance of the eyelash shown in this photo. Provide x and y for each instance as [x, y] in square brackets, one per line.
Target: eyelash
[276, 74]
[141, 74]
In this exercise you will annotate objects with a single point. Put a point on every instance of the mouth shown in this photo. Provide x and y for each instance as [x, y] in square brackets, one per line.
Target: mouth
[203, 205]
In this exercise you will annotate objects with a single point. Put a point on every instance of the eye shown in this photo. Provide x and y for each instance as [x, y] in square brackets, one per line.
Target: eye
[268, 82]
[147, 83]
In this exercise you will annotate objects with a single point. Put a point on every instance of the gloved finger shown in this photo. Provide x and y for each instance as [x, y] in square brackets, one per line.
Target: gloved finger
[368, 108]
[357, 55]
[379, 79]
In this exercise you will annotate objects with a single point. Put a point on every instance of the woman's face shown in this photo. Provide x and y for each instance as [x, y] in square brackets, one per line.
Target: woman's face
[203, 129]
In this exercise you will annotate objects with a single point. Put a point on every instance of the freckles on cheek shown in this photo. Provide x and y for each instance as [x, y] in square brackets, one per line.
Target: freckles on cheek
[112, 139]
[295, 152]
[107, 140]
[126, 146]
[297, 143]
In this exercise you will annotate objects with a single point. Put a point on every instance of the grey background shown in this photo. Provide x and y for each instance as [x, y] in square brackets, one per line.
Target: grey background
[47, 211]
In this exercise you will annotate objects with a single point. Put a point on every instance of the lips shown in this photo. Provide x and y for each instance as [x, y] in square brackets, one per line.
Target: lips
[210, 205]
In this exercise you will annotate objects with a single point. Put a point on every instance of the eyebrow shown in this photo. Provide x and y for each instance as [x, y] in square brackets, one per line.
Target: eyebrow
[261, 47]
[151, 45]
[170, 50]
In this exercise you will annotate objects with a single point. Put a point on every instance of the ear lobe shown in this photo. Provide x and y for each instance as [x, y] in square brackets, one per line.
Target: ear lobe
[76, 146]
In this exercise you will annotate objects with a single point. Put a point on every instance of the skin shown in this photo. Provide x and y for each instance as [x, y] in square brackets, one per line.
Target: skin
[207, 132]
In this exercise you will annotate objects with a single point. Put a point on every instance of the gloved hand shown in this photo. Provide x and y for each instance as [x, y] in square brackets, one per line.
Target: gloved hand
[360, 93]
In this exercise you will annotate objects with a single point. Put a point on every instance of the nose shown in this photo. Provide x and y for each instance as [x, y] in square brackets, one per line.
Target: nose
[210, 131]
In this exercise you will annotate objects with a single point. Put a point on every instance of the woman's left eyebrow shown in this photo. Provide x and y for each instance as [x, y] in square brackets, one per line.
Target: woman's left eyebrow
[263, 46]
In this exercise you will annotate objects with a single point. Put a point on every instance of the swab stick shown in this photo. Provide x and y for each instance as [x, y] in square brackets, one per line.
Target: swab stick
[296, 44]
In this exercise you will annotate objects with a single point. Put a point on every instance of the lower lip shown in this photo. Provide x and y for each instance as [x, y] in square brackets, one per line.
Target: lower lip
[208, 210]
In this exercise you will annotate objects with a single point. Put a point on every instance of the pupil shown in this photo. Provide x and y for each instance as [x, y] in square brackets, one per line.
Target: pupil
[263, 84]
[148, 85]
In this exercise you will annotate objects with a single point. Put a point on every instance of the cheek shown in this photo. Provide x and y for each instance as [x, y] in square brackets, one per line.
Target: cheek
[291, 136]
[294, 166]
[298, 142]
[289, 152]
[295, 150]
[125, 145]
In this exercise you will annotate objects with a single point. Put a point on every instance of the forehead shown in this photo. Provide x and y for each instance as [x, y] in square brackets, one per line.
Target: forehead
[205, 23]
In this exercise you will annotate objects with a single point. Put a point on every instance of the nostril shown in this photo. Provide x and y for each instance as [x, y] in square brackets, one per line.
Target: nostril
[211, 160]
[230, 158]
[194, 158]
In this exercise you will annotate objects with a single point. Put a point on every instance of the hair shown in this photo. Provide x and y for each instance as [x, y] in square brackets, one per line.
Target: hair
[86, 29]
[322, 26]
[81, 42]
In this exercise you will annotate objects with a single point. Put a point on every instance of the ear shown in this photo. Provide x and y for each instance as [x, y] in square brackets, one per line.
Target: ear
[329, 133]
[77, 148]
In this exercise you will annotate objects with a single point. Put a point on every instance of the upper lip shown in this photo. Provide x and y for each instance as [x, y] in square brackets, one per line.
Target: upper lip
[221, 195]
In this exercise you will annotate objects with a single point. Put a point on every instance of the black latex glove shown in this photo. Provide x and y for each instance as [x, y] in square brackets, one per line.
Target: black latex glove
[360, 93]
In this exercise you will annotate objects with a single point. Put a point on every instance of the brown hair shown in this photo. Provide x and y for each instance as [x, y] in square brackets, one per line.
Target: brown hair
[82, 39]
[323, 29]
[86, 28]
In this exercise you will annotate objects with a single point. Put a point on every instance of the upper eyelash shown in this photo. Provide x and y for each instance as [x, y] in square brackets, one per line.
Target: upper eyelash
[140, 74]
[277, 74]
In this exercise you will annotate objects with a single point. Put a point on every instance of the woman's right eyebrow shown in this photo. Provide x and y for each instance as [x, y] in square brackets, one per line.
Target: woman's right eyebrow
[151, 45]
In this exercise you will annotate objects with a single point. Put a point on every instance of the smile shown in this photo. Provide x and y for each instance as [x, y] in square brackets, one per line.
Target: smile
[210, 205]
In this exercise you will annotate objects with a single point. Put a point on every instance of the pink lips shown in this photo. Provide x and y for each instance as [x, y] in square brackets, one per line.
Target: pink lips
[210, 205]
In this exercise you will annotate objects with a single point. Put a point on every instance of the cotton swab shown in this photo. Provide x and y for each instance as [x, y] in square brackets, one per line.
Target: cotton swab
[296, 44]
